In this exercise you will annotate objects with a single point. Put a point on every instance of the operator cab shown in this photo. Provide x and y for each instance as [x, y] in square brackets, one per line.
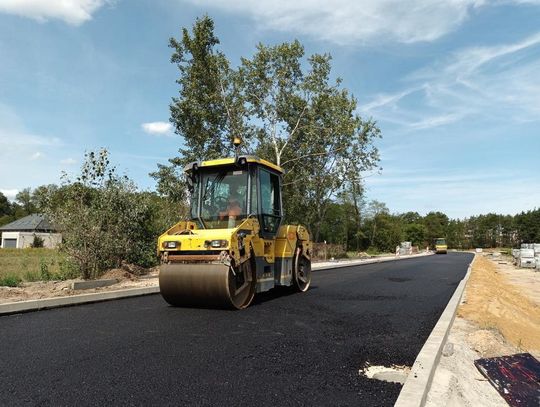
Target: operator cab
[225, 192]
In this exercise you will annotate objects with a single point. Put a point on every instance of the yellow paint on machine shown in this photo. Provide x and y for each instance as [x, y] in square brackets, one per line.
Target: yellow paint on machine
[230, 161]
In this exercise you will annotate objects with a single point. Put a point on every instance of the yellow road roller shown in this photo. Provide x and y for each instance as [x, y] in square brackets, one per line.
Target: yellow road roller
[440, 246]
[234, 244]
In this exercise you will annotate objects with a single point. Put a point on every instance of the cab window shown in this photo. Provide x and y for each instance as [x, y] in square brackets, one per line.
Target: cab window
[270, 204]
[223, 198]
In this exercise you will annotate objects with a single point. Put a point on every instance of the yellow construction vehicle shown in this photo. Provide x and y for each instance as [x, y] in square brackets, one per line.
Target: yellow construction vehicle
[234, 244]
[440, 246]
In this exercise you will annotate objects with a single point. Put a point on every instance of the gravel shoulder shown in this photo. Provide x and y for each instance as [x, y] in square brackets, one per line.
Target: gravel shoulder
[52, 289]
[499, 315]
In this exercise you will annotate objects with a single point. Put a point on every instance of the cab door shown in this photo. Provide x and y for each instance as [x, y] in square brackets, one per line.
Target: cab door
[270, 206]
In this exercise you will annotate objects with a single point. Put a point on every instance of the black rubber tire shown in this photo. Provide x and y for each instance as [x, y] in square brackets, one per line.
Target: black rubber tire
[301, 272]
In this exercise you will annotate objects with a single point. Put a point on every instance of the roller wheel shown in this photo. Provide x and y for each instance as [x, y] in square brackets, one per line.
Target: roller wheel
[207, 285]
[242, 285]
[301, 271]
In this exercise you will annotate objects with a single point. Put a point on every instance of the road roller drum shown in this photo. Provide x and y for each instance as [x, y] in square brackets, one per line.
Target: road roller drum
[212, 285]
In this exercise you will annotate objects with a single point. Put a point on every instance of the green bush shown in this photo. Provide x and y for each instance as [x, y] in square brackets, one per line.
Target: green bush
[37, 242]
[67, 270]
[10, 280]
[44, 270]
[104, 219]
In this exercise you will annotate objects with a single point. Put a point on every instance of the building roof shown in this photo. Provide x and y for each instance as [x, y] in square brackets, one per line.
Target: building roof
[31, 223]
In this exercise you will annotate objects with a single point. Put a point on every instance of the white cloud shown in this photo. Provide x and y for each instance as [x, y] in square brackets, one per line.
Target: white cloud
[19, 148]
[436, 121]
[68, 161]
[11, 140]
[471, 60]
[10, 193]
[482, 82]
[384, 99]
[457, 193]
[350, 22]
[157, 128]
[74, 12]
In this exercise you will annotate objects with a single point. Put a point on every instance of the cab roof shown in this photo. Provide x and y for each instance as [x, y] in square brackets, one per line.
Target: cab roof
[232, 161]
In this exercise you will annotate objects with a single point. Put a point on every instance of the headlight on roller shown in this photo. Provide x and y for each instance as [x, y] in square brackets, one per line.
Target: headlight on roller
[170, 245]
[215, 244]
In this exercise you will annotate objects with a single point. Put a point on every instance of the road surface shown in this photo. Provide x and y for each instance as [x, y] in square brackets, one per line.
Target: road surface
[285, 349]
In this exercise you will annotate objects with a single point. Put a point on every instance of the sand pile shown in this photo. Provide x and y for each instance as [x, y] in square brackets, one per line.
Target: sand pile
[492, 302]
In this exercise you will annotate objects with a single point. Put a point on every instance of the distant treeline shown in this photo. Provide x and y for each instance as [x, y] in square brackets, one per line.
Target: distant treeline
[379, 229]
[358, 227]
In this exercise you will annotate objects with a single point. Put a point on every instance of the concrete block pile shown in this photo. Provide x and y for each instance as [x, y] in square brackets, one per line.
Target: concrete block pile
[528, 256]
[405, 248]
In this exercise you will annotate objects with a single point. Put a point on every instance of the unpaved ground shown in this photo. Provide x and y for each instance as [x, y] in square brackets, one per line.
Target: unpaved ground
[49, 289]
[492, 301]
[499, 315]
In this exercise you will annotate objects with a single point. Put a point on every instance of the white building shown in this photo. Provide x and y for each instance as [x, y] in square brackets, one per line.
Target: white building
[21, 233]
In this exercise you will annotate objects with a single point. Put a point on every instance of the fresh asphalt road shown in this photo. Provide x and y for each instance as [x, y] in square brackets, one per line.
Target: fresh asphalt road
[286, 349]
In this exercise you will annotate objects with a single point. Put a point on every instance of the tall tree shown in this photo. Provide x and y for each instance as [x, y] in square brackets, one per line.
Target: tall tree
[306, 123]
[5, 206]
[24, 199]
[284, 106]
[435, 223]
[208, 109]
[374, 211]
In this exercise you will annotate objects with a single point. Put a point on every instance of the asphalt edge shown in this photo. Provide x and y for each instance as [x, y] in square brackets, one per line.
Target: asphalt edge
[78, 299]
[351, 263]
[415, 390]
[57, 302]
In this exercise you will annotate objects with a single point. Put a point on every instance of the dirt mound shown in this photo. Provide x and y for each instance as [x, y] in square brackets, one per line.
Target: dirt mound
[492, 302]
[126, 271]
[489, 343]
[119, 274]
[134, 269]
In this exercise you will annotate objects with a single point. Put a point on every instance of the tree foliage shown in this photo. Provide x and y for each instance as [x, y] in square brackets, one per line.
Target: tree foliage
[285, 107]
[104, 219]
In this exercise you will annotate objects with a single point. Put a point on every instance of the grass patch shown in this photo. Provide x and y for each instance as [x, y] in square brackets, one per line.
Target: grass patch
[10, 280]
[36, 264]
[374, 252]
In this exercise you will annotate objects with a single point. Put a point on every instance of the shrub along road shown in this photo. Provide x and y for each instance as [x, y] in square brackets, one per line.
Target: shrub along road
[286, 349]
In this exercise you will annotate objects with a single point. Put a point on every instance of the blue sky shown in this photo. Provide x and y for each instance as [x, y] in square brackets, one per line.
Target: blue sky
[454, 86]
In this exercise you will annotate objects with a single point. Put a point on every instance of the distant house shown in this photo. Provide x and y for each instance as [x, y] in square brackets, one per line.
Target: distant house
[20, 234]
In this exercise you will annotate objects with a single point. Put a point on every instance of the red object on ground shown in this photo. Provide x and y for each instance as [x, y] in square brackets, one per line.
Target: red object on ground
[516, 378]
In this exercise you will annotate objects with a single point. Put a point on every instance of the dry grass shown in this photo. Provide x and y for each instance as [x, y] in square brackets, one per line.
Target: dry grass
[492, 301]
[18, 265]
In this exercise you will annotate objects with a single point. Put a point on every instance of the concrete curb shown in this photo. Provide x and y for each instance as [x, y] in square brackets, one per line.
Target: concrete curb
[415, 390]
[85, 285]
[36, 305]
[337, 264]
[55, 302]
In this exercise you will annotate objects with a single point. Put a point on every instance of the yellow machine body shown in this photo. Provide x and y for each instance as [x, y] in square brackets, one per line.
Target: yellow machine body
[440, 246]
[219, 259]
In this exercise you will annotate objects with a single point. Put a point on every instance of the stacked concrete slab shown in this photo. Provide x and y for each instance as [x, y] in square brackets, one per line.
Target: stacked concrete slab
[405, 248]
[528, 256]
